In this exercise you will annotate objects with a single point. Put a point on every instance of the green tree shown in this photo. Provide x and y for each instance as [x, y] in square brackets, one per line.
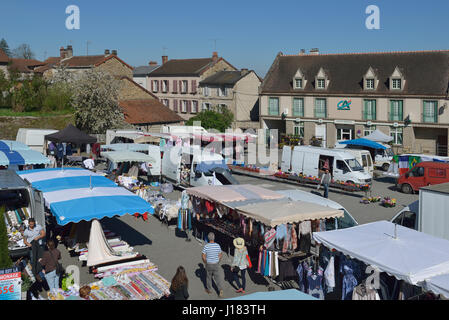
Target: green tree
[4, 46]
[5, 259]
[219, 119]
[95, 100]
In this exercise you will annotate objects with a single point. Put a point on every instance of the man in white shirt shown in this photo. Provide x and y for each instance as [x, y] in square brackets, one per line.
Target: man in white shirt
[89, 163]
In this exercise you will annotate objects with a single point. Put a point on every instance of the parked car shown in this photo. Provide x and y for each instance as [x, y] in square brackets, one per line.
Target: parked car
[422, 175]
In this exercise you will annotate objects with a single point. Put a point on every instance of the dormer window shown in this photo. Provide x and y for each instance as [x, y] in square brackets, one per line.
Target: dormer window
[321, 80]
[397, 80]
[369, 84]
[299, 81]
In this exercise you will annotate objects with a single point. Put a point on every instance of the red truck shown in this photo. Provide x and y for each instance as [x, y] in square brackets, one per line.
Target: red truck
[422, 175]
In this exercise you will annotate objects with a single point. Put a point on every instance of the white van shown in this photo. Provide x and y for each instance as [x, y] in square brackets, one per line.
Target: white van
[382, 158]
[34, 138]
[364, 158]
[192, 166]
[309, 161]
[183, 129]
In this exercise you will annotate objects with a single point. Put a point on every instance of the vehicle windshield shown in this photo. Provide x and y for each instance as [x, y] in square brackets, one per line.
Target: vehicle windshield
[389, 152]
[347, 221]
[354, 165]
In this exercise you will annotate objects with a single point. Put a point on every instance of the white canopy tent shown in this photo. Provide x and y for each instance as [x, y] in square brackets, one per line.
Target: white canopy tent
[378, 136]
[406, 254]
[438, 285]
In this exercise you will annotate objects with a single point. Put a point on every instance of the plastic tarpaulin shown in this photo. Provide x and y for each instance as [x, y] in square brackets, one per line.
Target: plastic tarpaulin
[290, 294]
[73, 182]
[438, 285]
[22, 157]
[230, 193]
[411, 256]
[125, 147]
[9, 145]
[127, 156]
[100, 251]
[209, 166]
[364, 143]
[54, 173]
[273, 213]
[378, 136]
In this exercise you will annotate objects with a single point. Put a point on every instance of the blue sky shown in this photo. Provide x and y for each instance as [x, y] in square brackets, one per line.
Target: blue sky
[249, 33]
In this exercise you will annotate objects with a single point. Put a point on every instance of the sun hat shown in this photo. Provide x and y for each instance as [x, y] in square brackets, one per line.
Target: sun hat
[239, 243]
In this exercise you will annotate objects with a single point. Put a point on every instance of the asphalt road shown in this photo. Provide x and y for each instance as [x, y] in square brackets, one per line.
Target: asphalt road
[168, 248]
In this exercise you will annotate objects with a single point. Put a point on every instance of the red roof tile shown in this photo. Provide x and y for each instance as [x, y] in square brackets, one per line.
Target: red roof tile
[3, 57]
[148, 111]
[25, 65]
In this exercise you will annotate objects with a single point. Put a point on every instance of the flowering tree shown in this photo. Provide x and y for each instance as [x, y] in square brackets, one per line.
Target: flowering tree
[95, 100]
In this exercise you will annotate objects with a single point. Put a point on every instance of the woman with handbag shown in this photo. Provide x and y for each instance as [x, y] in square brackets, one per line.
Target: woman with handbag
[53, 269]
[241, 262]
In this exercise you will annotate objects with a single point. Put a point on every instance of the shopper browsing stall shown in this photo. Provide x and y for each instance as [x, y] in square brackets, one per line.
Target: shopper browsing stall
[240, 263]
[179, 285]
[211, 257]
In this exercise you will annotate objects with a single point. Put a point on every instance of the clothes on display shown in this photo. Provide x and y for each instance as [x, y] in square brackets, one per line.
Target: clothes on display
[16, 219]
[349, 283]
[184, 219]
[361, 292]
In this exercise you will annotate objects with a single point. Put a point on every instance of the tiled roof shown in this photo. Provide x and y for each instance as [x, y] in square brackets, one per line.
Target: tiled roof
[25, 65]
[148, 111]
[183, 67]
[143, 70]
[224, 78]
[425, 72]
[3, 57]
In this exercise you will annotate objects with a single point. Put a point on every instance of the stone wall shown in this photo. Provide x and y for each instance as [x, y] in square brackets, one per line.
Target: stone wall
[116, 68]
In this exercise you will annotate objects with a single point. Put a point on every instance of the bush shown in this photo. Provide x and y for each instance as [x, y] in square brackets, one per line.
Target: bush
[5, 259]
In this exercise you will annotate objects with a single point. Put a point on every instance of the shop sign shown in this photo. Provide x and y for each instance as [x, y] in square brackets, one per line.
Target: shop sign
[10, 284]
[344, 105]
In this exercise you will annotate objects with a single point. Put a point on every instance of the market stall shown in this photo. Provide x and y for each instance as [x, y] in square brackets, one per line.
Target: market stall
[277, 230]
[438, 285]
[404, 162]
[13, 153]
[134, 147]
[127, 162]
[405, 258]
[283, 295]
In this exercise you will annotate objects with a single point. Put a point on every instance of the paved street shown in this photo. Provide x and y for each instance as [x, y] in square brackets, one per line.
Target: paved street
[168, 249]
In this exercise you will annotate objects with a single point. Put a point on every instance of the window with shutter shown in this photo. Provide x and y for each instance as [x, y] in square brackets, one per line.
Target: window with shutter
[187, 86]
[175, 86]
[189, 106]
[175, 105]
[168, 85]
[193, 86]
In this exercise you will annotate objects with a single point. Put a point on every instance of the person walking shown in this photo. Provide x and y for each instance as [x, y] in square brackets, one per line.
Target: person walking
[49, 262]
[32, 238]
[211, 257]
[179, 285]
[240, 263]
[325, 181]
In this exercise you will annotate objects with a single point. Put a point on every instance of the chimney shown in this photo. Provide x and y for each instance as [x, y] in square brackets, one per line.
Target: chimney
[302, 51]
[69, 51]
[164, 59]
[314, 51]
[152, 63]
[114, 52]
[62, 52]
[107, 52]
[243, 71]
[214, 56]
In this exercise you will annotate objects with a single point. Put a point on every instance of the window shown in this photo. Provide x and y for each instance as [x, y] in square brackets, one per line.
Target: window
[194, 106]
[298, 107]
[320, 108]
[298, 83]
[221, 92]
[416, 172]
[184, 86]
[165, 102]
[406, 219]
[396, 84]
[367, 130]
[298, 129]
[430, 113]
[369, 110]
[320, 83]
[396, 108]
[273, 107]
[206, 91]
[164, 86]
[206, 106]
[396, 133]
[341, 165]
[369, 84]
[344, 134]
[183, 106]
[155, 85]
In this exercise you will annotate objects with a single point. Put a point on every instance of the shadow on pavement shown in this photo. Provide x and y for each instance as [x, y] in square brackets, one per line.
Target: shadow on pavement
[201, 273]
[229, 275]
[126, 232]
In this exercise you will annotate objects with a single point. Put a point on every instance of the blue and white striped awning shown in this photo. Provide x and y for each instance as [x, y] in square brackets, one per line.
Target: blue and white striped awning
[22, 157]
[77, 194]
[9, 145]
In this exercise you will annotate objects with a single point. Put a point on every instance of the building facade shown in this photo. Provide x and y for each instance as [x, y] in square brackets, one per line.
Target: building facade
[346, 96]
[176, 82]
[236, 91]
[141, 74]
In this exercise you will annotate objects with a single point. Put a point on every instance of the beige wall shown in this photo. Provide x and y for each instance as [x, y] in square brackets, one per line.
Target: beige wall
[245, 96]
[130, 91]
[116, 68]
[219, 66]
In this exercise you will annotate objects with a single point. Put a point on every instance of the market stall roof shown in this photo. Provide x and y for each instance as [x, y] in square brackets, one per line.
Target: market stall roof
[378, 136]
[127, 156]
[438, 285]
[22, 157]
[125, 147]
[9, 145]
[71, 134]
[290, 294]
[232, 193]
[73, 183]
[412, 256]
[54, 173]
[273, 213]
[364, 143]
[147, 139]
